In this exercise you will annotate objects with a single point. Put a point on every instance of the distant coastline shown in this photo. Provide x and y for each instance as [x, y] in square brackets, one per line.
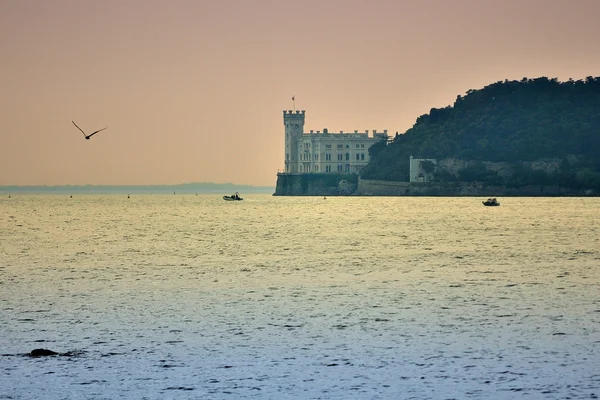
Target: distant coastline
[185, 188]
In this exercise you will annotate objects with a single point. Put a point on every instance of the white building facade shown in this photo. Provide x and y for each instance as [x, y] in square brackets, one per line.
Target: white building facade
[417, 172]
[325, 152]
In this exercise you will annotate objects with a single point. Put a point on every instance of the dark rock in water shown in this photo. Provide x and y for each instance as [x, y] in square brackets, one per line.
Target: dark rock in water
[42, 352]
[46, 352]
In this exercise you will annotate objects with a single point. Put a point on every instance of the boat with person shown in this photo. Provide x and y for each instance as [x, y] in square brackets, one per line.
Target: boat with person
[491, 202]
[233, 197]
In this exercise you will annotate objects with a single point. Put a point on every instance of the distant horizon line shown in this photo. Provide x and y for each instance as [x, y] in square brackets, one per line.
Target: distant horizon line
[194, 187]
[139, 185]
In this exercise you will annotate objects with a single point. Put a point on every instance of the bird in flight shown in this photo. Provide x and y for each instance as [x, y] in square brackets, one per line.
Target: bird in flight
[91, 134]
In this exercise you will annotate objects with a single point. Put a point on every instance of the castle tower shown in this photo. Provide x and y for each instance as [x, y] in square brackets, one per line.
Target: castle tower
[294, 127]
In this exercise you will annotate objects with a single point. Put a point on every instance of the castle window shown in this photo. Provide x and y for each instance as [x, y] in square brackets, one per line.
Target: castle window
[347, 156]
[307, 145]
[340, 146]
[340, 167]
[328, 168]
[362, 146]
[315, 157]
[327, 146]
[340, 157]
[362, 156]
[358, 146]
[328, 157]
[357, 156]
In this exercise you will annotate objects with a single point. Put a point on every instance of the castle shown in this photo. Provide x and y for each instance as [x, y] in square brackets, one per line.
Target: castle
[325, 152]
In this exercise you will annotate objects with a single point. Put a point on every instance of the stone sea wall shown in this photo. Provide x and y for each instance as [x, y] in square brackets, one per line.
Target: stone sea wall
[351, 185]
[292, 184]
[386, 188]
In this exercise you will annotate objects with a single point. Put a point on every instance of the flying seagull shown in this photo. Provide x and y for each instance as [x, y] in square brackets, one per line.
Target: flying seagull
[91, 134]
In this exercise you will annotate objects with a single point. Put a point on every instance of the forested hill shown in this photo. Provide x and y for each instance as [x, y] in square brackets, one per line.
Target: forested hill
[510, 121]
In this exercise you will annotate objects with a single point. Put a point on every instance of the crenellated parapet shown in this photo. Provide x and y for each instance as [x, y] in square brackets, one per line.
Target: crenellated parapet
[294, 120]
[349, 135]
[293, 115]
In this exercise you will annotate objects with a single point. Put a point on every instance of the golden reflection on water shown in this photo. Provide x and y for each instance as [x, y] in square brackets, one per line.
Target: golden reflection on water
[267, 240]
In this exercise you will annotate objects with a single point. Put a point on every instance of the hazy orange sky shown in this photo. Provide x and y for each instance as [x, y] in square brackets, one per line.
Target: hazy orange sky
[193, 91]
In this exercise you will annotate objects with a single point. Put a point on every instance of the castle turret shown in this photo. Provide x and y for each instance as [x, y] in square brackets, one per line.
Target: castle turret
[294, 127]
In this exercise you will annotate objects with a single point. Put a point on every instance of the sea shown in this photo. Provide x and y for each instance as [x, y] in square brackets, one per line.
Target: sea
[192, 297]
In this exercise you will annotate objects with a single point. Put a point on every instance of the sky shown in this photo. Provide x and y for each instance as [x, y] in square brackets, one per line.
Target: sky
[193, 91]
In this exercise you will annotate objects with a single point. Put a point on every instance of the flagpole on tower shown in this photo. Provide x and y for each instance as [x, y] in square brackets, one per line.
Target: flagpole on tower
[294, 103]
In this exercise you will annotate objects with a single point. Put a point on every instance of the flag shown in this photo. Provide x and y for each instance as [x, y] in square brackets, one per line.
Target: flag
[293, 98]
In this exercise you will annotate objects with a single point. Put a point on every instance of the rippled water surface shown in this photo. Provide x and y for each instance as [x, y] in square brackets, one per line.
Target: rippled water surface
[299, 297]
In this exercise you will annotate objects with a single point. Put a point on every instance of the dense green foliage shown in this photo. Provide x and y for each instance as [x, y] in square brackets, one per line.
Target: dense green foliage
[510, 121]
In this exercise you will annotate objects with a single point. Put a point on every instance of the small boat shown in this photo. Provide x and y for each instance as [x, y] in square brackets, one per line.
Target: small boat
[234, 197]
[491, 202]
